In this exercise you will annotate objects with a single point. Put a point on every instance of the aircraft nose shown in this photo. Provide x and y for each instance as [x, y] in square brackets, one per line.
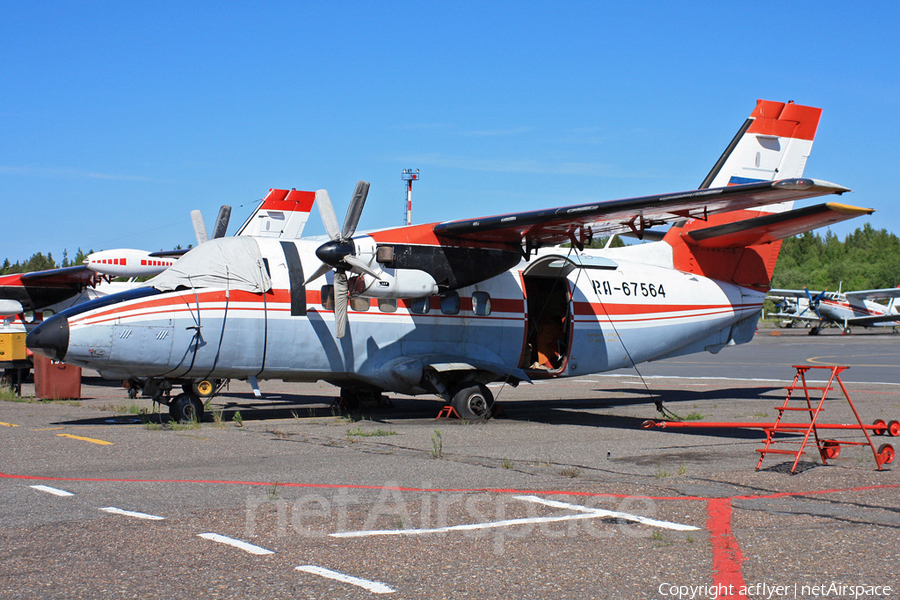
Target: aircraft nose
[50, 338]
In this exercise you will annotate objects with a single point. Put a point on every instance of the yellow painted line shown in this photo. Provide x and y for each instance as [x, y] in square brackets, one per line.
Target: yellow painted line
[8, 424]
[85, 439]
[50, 429]
[842, 360]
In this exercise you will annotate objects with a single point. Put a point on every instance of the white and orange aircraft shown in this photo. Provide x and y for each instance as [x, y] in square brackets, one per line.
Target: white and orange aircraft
[844, 309]
[446, 308]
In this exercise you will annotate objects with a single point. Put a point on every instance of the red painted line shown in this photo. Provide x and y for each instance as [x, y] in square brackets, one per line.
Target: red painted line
[727, 557]
[429, 490]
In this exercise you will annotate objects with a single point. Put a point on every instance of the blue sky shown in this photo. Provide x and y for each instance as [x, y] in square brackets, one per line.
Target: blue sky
[119, 118]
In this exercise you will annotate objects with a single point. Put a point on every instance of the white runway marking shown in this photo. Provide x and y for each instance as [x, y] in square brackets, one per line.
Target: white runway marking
[584, 513]
[138, 515]
[468, 526]
[373, 586]
[52, 490]
[608, 513]
[236, 543]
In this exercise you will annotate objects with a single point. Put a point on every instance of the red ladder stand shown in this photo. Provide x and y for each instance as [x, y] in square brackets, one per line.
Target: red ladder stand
[827, 448]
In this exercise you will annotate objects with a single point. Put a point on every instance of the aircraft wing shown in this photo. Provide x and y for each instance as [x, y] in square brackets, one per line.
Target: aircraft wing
[569, 223]
[777, 293]
[872, 294]
[876, 319]
[29, 291]
[64, 277]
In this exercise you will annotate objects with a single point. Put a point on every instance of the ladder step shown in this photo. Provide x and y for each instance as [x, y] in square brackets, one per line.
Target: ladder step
[798, 408]
[771, 451]
[803, 387]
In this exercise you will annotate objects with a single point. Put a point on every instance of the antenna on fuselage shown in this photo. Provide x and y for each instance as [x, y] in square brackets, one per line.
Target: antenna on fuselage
[408, 176]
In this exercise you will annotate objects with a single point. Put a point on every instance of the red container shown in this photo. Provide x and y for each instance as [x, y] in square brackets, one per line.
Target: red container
[54, 380]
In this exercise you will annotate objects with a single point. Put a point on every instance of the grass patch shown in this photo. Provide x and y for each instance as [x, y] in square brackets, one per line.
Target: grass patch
[9, 395]
[182, 426]
[507, 464]
[694, 416]
[572, 472]
[358, 431]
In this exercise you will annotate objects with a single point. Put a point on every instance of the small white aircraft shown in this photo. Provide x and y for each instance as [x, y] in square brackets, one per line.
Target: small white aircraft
[446, 308]
[844, 309]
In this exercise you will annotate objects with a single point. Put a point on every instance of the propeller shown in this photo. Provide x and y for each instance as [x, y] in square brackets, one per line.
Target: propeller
[814, 302]
[339, 253]
[218, 229]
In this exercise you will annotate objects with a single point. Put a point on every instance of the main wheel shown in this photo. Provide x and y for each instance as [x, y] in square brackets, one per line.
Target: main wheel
[186, 408]
[879, 427]
[473, 401]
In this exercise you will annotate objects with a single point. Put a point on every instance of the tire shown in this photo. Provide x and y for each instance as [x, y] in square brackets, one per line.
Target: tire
[473, 402]
[186, 408]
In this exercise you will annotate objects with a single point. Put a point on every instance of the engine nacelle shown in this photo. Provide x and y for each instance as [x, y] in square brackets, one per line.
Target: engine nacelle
[398, 283]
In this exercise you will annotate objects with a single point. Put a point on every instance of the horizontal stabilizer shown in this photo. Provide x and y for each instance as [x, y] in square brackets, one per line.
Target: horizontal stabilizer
[772, 227]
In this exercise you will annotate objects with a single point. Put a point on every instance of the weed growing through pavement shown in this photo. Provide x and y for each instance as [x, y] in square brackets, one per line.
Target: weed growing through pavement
[437, 444]
[237, 419]
[572, 472]
[694, 416]
[507, 464]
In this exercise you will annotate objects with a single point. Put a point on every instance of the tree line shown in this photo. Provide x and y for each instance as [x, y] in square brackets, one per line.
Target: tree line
[866, 259]
[40, 262]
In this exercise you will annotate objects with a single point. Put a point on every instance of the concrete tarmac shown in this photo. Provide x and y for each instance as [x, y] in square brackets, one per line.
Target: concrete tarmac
[563, 496]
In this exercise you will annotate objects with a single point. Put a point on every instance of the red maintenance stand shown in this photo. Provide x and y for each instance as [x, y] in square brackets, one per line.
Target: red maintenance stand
[827, 448]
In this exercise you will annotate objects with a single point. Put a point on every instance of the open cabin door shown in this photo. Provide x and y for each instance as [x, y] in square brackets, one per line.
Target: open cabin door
[548, 300]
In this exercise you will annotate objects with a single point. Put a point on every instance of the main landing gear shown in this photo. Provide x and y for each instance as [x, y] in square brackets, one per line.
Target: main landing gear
[186, 408]
[473, 401]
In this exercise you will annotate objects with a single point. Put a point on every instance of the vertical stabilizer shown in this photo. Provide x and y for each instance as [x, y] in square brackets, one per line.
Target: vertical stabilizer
[773, 143]
[281, 214]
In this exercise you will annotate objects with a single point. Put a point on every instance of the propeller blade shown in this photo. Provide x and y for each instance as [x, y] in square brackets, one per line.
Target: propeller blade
[323, 268]
[199, 227]
[355, 209]
[221, 225]
[326, 211]
[341, 299]
[360, 266]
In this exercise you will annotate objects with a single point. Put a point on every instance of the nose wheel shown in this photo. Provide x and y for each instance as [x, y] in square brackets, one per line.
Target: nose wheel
[186, 408]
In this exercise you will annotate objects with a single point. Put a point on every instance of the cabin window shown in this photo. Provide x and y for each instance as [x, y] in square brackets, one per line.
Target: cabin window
[450, 303]
[328, 297]
[359, 304]
[481, 304]
[387, 305]
[420, 306]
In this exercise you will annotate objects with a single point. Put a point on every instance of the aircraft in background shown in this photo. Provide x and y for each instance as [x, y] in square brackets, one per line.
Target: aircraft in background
[843, 309]
[446, 308]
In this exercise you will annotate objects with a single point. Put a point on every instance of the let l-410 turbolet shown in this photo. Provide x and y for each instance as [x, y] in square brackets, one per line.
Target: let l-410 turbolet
[447, 308]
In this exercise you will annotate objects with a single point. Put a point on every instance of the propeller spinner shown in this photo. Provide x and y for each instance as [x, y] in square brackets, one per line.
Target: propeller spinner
[339, 253]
